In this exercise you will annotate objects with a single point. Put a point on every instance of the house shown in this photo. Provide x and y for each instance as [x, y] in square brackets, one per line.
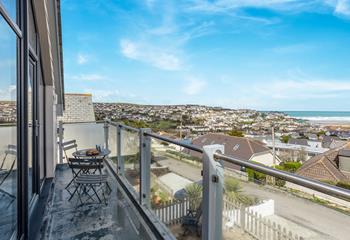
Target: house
[333, 166]
[332, 142]
[237, 147]
[297, 141]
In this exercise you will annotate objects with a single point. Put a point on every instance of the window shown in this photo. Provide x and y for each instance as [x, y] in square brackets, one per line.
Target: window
[8, 130]
[11, 8]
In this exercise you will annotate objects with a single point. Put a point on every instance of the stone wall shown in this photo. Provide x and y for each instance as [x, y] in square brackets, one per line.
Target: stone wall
[78, 108]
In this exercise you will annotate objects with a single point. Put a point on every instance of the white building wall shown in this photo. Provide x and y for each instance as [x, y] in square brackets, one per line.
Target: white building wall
[266, 159]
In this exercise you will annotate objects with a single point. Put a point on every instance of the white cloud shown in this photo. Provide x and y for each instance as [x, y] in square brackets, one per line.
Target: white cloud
[304, 89]
[231, 5]
[8, 93]
[82, 59]
[88, 77]
[146, 53]
[339, 7]
[99, 95]
[194, 86]
[342, 7]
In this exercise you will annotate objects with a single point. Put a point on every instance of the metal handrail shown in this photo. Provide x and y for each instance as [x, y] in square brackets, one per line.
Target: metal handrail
[169, 140]
[117, 124]
[293, 178]
[299, 180]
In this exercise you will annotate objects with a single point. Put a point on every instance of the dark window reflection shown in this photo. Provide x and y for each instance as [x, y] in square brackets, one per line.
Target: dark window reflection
[8, 142]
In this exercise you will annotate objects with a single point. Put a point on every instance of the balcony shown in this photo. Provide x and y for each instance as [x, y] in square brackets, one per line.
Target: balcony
[160, 191]
[66, 220]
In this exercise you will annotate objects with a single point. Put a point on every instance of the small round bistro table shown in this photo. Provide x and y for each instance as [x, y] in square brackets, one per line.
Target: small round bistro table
[82, 154]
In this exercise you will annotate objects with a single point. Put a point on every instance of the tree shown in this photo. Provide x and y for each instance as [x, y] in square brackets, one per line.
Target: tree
[234, 192]
[194, 194]
[285, 138]
[235, 133]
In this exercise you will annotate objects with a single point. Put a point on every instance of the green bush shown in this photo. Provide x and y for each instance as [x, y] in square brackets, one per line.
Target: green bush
[232, 185]
[280, 182]
[345, 185]
[235, 133]
[291, 166]
[285, 138]
[194, 194]
[256, 176]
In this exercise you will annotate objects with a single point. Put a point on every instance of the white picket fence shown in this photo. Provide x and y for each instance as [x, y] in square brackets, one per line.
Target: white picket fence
[254, 223]
[172, 212]
[246, 218]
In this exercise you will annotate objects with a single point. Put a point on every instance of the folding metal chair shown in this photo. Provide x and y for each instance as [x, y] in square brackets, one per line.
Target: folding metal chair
[78, 166]
[6, 172]
[85, 183]
[69, 145]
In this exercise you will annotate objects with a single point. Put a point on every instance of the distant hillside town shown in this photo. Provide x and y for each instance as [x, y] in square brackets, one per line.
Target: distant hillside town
[203, 119]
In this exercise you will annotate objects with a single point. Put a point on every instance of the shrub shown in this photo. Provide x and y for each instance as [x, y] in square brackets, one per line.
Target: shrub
[233, 191]
[345, 185]
[194, 191]
[291, 166]
[235, 133]
[194, 194]
[280, 182]
[285, 138]
[256, 176]
[232, 185]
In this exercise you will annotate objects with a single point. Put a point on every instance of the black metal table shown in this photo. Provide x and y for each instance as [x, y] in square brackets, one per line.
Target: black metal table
[82, 154]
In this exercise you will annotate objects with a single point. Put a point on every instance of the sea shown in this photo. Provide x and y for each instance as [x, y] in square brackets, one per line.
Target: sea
[321, 116]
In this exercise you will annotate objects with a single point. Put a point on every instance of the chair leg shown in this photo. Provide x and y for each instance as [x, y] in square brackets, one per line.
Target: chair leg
[79, 195]
[75, 190]
[109, 188]
[93, 189]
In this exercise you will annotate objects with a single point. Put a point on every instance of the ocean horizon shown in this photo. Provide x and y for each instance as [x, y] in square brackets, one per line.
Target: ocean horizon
[321, 116]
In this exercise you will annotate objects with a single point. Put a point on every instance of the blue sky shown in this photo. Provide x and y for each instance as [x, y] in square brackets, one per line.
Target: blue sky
[260, 54]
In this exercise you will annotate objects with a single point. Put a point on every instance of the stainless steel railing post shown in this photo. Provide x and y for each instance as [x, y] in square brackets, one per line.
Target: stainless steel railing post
[213, 186]
[145, 167]
[119, 151]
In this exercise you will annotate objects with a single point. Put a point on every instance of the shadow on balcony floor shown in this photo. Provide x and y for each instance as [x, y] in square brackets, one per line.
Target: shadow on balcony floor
[66, 220]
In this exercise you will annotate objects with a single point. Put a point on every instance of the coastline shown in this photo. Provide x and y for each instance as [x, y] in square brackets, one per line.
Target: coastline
[327, 119]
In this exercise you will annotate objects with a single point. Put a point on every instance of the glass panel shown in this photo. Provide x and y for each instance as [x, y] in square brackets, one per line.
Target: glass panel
[131, 154]
[112, 143]
[8, 141]
[257, 206]
[30, 129]
[41, 131]
[10, 7]
[32, 30]
[176, 189]
[87, 135]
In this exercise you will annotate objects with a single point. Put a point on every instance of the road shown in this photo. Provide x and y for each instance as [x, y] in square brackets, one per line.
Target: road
[325, 222]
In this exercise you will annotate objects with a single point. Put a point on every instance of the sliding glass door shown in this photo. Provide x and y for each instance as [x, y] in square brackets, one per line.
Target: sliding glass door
[8, 130]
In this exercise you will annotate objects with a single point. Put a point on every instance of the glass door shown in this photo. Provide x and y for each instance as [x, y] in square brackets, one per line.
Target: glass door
[31, 121]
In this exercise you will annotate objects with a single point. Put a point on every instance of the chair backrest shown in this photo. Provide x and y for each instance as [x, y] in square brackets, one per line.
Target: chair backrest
[85, 164]
[11, 150]
[68, 145]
